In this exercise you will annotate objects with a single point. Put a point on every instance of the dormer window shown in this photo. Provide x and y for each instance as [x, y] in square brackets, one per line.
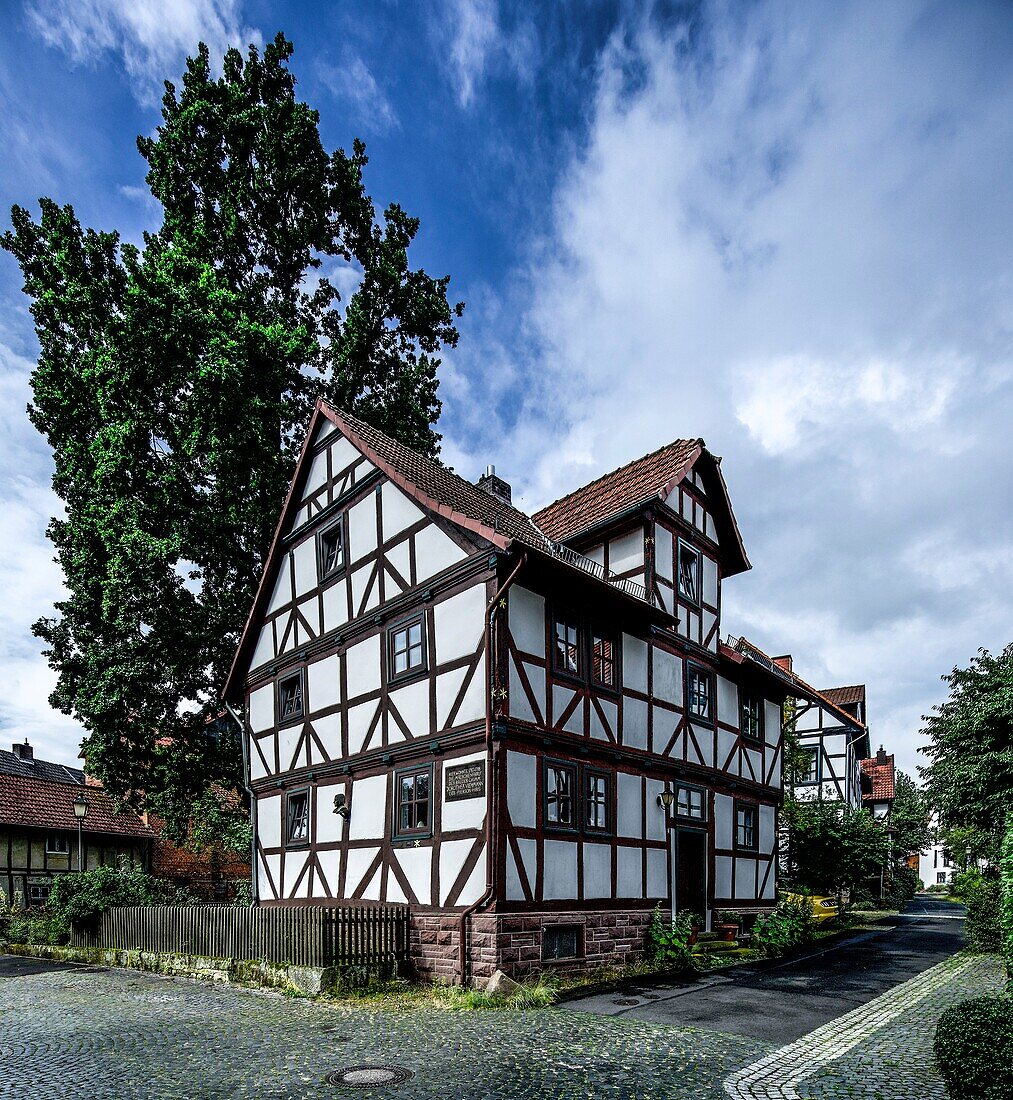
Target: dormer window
[331, 550]
[689, 572]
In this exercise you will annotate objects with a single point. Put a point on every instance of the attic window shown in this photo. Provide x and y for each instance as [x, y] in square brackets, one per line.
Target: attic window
[689, 572]
[331, 550]
[290, 697]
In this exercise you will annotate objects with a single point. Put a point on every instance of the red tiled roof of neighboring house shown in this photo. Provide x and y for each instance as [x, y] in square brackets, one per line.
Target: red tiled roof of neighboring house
[845, 696]
[879, 770]
[634, 484]
[45, 804]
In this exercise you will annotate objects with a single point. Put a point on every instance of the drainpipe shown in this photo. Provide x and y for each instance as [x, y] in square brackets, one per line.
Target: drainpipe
[254, 886]
[492, 752]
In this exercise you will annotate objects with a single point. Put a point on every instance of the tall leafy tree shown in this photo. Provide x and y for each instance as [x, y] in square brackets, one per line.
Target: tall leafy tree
[173, 384]
[969, 779]
[909, 817]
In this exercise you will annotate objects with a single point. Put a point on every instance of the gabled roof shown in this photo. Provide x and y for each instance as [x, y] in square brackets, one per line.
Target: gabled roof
[641, 482]
[12, 764]
[43, 804]
[797, 686]
[845, 696]
[881, 777]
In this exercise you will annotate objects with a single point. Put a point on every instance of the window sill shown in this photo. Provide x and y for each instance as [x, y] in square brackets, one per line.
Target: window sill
[407, 677]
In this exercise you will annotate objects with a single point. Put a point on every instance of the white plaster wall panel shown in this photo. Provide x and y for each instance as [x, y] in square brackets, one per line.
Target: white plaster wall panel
[330, 826]
[627, 552]
[264, 650]
[316, 476]
[663, 559]
[709, 619]
[522, 788]
[755, 759]
[724, 824]
[699, 518]
[360, 718]
[435, 551]
[395, 895]
[596, 728]
[465, 813]
[325, 429]
[335, 599]
[722, 876]
[460, 623]
[269, 821]
[561, 699]
[310, 611]
[474, 888]
[687, 507]
[267, 871]
[288, 738]
[629, 806]
[629, 873]
[398, 510]
[667, 683]
[452, 856]
[448, 684]
[774, 770]
[324, 686]
[726, 743]
[412, 703]
[329, 866]
[667, 599]
[514, 891]
[257, 769]
[770, 886]
[728, 702]
[262, 708]
[282, 593]
[520, 705]
[559, 869]
[705, 739]
[597, 870]
[766, 837]
[527, 620]
[368, 817]
[709, 529]
[693, 625]
[362, 527]
[358, 863]
[745, 878]
[362, 666]
[360, 580]
[635, 723]
[328, 730]
[344, 454]
[611, 712]
[771, 722]
[656, 829]
[709, 581]
[400, 557]
[634, 663]
[473, 704]
[657, 873]
[665, 722]
[371, 891]
[596, 553]
[305, 557]
[295, 861]
[417, 864]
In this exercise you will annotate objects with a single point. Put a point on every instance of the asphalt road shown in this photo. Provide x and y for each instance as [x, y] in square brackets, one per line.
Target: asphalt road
[779, 1002]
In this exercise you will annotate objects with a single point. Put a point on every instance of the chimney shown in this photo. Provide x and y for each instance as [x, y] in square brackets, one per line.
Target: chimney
[881, 755]
[24, 752]
[494, 486]
[783, 662]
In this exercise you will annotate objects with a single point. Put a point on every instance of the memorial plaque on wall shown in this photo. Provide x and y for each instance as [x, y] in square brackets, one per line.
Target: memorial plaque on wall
[465, 781]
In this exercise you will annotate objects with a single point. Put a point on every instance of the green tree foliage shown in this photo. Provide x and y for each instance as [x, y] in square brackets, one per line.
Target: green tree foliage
[832, 846]
[909, 817]
[173, 384]
[970, 777]
[81, 899]
[790, 924]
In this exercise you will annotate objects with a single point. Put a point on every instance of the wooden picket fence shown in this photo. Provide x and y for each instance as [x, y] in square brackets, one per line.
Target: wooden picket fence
[370, 936]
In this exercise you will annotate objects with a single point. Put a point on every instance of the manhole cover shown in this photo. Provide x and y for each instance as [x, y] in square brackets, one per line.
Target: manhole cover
[625, 1001]
[364, 1077]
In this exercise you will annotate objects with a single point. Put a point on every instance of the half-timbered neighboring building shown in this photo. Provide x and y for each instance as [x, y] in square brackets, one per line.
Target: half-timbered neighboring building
[527, 728]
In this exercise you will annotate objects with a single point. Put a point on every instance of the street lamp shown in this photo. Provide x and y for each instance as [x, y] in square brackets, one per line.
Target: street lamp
[666, 798]
[80, 812]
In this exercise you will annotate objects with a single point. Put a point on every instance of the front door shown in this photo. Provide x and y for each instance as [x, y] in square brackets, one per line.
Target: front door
[691, 871]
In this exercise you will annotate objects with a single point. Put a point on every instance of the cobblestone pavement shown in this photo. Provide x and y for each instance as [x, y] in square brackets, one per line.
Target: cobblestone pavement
[880, 1051]
[91, 1034]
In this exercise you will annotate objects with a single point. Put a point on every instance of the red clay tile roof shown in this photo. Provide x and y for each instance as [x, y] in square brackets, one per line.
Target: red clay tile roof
[881, 778]
[634, 484]
[43, 804]
[845, 696]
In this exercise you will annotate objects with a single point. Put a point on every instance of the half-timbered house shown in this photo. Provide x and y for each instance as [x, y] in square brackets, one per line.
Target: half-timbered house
[526, 727]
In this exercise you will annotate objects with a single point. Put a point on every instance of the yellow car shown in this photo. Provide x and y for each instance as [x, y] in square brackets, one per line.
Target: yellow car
[822, 908]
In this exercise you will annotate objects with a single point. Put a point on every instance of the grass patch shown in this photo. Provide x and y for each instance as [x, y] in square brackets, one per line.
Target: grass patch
[404, 996]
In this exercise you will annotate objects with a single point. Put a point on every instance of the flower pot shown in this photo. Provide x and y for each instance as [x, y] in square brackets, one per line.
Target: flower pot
[728, 930]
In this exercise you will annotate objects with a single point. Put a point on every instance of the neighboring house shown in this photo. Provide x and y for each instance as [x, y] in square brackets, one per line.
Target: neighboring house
[878, 781]
[936, 864]
[210, 876]
[525, 727]
[39, 828]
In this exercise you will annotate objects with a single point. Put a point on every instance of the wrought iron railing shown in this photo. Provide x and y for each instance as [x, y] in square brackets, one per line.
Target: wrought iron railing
[596, 569]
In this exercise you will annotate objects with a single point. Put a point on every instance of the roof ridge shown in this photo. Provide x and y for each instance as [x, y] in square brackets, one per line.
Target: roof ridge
[619, 469]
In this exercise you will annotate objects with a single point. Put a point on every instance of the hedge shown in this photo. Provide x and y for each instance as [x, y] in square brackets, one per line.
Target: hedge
[974, 1049]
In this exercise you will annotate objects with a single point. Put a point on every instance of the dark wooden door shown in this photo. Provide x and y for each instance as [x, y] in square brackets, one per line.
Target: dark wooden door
[691, 871]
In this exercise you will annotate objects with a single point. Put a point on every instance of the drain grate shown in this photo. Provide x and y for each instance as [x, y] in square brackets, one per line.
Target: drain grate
[365, 1077]
[625, 1001]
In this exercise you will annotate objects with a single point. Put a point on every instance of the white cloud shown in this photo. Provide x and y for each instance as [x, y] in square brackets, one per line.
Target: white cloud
[151, 36]
[788, 231]
[479, 44]
[351, 82]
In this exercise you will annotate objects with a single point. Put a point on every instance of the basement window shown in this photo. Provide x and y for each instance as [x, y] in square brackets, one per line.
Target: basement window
[561, 941]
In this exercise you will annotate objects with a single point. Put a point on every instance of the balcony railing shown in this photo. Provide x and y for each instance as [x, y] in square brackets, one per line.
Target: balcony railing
[597, 570]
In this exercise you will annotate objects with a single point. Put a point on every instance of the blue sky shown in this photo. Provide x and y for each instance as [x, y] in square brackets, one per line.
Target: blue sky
[784, 227]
